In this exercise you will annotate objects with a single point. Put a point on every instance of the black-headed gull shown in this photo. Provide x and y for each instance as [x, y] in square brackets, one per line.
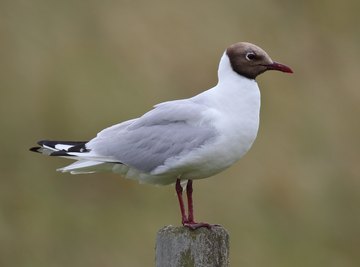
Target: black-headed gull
[181, 140]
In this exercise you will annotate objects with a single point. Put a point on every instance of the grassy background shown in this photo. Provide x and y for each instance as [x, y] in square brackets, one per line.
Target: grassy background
[70, 68]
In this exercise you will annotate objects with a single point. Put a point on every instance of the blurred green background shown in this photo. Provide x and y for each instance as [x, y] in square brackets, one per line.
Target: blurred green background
[70, 68]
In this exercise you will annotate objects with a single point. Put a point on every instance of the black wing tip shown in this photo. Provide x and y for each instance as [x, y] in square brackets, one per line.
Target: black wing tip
[35, 149]
[42, 142]
[51, 143]
[77, 146]
[60, 153]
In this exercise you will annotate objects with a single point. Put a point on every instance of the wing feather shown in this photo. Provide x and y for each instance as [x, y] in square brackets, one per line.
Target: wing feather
[170, 130]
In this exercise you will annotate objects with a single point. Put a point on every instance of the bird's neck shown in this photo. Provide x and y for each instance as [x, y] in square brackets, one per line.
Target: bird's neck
[226, 72]
[231, 83]
[233, 90]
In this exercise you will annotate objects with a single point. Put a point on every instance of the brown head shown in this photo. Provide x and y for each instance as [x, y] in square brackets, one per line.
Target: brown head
[250, 60]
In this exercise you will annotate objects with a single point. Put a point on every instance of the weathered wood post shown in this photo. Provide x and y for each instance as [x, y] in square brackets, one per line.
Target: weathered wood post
[182, 247]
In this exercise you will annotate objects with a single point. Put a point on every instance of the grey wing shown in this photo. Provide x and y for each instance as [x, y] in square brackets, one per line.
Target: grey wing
[172, 129]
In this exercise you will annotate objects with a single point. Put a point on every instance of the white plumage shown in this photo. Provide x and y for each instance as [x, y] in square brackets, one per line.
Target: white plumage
[203, 135]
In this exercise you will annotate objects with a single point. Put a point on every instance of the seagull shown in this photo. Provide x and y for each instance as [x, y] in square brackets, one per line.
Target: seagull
[181, 140]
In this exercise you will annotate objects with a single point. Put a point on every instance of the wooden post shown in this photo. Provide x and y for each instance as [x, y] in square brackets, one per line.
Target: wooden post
[182, 247]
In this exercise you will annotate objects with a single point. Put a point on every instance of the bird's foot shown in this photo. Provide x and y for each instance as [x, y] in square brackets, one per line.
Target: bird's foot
[188, 221]
[195, 225]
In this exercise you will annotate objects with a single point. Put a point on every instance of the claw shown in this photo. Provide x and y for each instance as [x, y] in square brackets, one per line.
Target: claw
[194, 225]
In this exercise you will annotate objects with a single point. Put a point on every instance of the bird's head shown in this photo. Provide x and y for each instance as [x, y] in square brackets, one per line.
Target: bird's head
[250, 60]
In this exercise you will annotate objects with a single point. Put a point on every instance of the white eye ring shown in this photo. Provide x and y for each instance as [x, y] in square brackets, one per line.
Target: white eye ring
[250, 56]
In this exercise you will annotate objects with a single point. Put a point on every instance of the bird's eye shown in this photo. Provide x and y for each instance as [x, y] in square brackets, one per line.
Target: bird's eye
[250, 56]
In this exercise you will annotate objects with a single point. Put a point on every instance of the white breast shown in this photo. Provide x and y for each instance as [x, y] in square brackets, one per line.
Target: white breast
[233, 109]
[235, 114]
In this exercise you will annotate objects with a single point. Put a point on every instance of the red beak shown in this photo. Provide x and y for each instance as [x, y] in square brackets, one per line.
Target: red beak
[279, 67]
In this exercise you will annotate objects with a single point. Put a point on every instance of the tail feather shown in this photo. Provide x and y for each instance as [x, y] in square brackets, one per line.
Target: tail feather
[84, 166]
[87, 161]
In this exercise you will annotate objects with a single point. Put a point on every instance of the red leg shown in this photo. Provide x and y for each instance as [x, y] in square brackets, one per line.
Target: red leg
[179, 191]
[190, 221]
[189, 191]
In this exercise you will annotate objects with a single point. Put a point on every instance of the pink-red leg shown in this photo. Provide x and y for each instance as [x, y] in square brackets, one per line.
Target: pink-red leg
[189, 191]
[179, 191]
[190, 223]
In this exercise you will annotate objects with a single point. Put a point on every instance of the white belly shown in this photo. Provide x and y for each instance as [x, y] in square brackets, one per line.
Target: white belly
[234, 112]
